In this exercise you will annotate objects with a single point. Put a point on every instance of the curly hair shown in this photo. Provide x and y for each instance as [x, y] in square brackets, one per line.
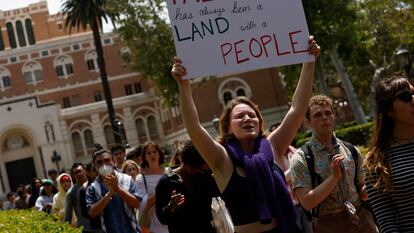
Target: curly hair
[318, 100]
[376, 161]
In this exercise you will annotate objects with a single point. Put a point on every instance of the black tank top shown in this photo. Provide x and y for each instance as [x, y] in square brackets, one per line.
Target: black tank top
[238, 203]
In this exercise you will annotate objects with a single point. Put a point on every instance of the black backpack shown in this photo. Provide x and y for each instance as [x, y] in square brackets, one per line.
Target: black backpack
[316, 179]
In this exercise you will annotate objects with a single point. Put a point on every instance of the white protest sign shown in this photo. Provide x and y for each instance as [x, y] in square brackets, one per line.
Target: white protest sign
[215, 37]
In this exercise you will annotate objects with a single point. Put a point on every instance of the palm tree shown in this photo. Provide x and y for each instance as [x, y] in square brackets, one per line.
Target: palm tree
[89, 13]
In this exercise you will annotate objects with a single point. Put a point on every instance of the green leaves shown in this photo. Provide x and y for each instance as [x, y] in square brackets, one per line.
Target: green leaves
[32, 221]
[142, 26]
[80, 13]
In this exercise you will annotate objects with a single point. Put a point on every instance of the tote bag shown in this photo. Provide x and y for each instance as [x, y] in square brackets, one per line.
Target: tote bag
[221, 217]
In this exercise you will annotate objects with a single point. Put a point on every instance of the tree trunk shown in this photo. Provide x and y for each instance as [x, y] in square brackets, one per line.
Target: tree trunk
[347, 85]
[379, 70]
[320, 74]
[105, 83]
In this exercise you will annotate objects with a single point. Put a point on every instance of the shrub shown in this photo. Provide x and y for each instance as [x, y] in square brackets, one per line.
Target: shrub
[355, 134]
[32, 221]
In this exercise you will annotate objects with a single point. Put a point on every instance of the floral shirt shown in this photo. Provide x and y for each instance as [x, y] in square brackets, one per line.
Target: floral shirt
[345, 190]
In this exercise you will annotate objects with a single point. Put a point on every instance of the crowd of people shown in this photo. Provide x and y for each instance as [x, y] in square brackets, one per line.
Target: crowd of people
[267, 185]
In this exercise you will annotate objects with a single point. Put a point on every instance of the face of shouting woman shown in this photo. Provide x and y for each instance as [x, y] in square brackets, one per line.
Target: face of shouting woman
[244, 123]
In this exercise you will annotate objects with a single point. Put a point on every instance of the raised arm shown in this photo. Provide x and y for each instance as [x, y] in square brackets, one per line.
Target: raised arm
[284, 134]
[211, 151]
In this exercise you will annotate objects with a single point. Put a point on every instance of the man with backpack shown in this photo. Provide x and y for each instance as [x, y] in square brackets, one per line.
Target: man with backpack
[327, 177]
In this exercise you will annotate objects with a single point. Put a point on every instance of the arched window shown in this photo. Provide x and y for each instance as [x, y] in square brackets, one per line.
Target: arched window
[152, 127]
[29, 32]
[32, 72]
[109, 136]
[5, 81]
[227, 96]
[233, 87]
[91, 60]
[63, 66]
[20, 34]
[1, 41]
[142, 135]
[89, 141]
[240, 92]
[77, 144]
[10, 32]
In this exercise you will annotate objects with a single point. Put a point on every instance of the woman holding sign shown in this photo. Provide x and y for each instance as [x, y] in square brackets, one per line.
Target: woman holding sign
[242, 158]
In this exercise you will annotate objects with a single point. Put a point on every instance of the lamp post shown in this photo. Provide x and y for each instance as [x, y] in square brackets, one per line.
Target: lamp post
[56, 158]
[119, 128]
[406, 60]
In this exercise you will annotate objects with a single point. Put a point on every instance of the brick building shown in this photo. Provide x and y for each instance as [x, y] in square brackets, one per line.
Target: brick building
[52, 103]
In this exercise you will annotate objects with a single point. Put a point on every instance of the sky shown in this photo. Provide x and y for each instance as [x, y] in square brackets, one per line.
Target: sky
[53, 5]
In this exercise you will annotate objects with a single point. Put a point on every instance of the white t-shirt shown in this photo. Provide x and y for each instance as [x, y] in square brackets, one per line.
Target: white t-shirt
[147, 193]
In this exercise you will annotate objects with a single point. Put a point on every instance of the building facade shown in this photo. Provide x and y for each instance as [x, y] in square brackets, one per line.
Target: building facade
[52, 102]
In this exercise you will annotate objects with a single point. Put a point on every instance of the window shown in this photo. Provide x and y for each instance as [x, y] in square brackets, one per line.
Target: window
[29, 32]
[241, 92]
[89, 141]
[76, 100]
[20, 34]
[66, 102]
[45, 53]
[13, 59]
[231, 88]
[4, 78]
[97, 95]
[1, 41]
[128, 89]
[75, 47]
[227, 97]
[60, 26]
[137, 87]
[12, 38]
[83, 142]
[91, 60]
[59, 71]
[107, 41]
[63, 66]
[32, 72]
[142, 135]
[152, 127]
[91, 64]
[69, 69]
[77, 144]
[109, 136]
[6, 81]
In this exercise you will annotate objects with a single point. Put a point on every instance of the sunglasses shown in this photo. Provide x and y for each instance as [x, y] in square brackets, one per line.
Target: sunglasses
[405, 96]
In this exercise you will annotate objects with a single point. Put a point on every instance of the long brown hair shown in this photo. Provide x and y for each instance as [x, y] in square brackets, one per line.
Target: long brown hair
[145, 163]
[376, 160]
[225, 118]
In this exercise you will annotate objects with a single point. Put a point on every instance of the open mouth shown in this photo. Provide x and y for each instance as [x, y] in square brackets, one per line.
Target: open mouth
[248, 127]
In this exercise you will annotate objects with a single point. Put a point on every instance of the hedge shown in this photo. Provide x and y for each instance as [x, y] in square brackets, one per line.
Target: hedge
[356, 134]
[32, 221]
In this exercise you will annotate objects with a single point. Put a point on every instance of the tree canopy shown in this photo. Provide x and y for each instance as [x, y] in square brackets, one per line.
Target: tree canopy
[143, 27]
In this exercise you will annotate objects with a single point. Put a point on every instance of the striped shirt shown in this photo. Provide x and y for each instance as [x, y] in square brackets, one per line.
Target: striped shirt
[394, 211]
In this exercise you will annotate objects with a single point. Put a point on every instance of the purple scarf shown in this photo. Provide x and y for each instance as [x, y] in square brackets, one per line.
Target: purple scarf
[266, 187]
